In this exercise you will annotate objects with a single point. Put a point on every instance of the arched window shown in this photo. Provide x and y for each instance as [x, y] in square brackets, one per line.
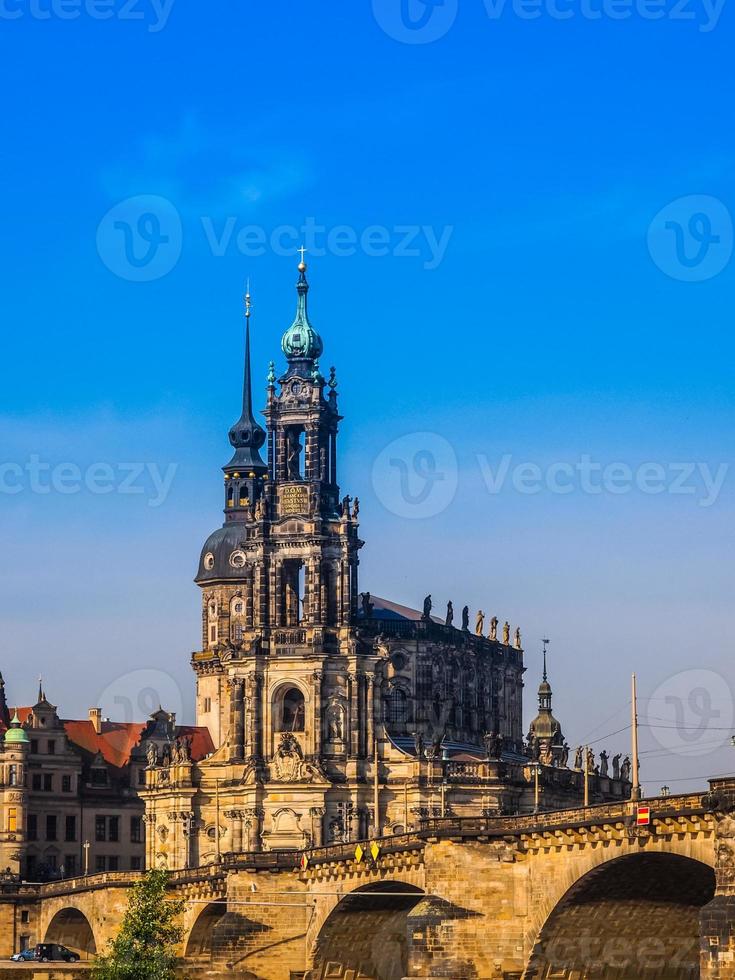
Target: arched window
[397, 703]
[293, 712]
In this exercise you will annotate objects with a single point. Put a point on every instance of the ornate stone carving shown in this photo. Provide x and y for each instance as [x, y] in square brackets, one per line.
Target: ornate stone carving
[289, 765]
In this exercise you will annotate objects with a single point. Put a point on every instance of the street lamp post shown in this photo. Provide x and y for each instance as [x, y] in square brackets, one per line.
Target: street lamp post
[86, 845]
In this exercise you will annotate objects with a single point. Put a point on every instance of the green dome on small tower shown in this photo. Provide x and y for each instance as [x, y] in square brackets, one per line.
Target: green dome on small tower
[16, 735]
[301, 342]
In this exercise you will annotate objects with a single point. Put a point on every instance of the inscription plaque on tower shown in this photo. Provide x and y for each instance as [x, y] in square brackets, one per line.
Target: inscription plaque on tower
[294, 499]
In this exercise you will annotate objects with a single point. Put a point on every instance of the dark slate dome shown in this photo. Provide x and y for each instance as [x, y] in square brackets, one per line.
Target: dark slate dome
[222, 556]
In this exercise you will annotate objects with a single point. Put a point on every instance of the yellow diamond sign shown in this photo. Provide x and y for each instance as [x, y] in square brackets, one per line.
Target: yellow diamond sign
[374, 851]
[359, 853]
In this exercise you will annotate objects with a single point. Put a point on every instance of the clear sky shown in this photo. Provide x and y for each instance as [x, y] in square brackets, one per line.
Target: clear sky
[519, 222]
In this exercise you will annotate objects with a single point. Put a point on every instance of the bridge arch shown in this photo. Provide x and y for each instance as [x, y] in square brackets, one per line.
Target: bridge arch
[72, 928]
[635, 915]
[366, 934]
[199, 944]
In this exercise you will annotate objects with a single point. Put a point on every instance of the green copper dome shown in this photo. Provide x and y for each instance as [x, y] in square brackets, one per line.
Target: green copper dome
[16, 735]
[301, 342]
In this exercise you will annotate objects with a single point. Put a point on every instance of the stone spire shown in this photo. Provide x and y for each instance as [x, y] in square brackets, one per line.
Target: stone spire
[545, 726]
[246, 435]
[301, 344]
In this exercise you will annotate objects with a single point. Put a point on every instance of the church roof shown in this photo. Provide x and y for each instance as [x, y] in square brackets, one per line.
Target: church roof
[386, 609]
[301, 343]
[214, 561]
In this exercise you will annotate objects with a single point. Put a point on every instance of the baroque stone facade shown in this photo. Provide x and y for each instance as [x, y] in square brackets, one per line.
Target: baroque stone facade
[335, 715]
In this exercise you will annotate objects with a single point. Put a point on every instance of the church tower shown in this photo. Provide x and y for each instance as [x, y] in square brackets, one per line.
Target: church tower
[279, 578]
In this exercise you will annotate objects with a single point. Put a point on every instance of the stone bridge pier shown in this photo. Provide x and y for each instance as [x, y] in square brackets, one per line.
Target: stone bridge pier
[717, 922]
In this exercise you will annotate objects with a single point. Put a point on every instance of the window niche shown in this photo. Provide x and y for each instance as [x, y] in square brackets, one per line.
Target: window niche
[290, 711]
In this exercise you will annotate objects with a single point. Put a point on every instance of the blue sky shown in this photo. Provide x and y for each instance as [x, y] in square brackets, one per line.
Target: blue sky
[553, 198]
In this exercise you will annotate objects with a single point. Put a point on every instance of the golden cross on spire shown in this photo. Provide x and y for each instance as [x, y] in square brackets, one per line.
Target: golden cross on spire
[247, 299]
[302, 264]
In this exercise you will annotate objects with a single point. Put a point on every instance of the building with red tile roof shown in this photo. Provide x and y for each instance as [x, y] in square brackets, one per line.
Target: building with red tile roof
[70, 787]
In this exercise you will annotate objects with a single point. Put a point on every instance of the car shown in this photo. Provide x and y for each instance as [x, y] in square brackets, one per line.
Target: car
[46, 952]
[23, 956]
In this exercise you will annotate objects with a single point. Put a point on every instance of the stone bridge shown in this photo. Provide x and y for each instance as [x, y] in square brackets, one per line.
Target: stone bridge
[595, 892]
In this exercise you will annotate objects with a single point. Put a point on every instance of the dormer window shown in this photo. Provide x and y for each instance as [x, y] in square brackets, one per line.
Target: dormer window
[98, 777]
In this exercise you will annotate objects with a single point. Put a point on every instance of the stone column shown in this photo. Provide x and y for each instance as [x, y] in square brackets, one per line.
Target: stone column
[250, 694]
[238, 719]
[324, 598]
[311, 452]
[316, 718]
[237, 830]
[252, 818]
[354, 818]
[173, 821]
[279, 617]
[150, 840]
[344, 592]
[315, 612]
[260, 592]
[354, 730]
[717, 919]
[370, 715]
[259, 715]
[249, 596]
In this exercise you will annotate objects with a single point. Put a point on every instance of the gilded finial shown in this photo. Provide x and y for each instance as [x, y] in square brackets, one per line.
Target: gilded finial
[302, 263]
[248, 304]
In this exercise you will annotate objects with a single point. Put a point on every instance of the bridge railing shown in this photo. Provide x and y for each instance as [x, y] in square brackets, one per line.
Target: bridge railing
[578, 816]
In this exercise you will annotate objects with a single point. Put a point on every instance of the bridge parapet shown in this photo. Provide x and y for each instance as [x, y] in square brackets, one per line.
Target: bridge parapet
[665, 806]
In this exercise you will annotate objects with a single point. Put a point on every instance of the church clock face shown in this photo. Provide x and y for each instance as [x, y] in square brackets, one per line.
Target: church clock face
[238, 559]
[296, 388]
